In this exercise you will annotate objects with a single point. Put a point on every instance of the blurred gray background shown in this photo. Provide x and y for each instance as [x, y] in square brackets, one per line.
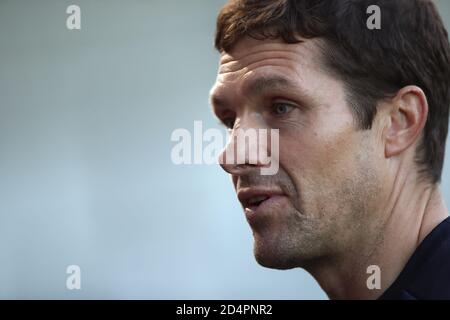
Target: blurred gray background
[85, 171]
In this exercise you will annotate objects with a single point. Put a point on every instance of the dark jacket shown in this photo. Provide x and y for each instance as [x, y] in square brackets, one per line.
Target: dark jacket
[427, 273]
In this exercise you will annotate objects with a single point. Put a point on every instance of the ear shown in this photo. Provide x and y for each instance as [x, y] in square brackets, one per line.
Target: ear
[407, 119]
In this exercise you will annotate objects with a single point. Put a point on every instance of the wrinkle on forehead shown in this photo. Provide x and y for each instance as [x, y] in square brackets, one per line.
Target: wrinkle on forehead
[250, 55]
[249, 51]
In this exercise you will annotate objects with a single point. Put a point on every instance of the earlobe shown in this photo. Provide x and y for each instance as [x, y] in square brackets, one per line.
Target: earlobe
[407, 118]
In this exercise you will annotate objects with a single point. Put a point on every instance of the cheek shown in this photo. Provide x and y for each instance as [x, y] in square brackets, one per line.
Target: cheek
[323, 141]
[320, 162]
[319, 152]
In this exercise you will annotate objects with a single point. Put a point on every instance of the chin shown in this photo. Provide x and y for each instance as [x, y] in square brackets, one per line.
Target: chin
[273, 257]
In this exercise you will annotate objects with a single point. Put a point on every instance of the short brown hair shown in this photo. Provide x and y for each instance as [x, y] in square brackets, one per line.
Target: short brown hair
[411, 48]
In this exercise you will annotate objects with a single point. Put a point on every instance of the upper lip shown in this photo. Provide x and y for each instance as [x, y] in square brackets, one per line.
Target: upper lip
[246, 195]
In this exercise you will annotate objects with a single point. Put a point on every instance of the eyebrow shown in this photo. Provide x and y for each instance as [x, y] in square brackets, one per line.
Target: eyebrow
[255, 87]
[260, 85]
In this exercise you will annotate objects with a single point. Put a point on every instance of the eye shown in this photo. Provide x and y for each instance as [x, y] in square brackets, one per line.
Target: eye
[281, 108]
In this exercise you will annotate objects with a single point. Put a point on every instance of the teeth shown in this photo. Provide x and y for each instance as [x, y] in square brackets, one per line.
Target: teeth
[257, 200]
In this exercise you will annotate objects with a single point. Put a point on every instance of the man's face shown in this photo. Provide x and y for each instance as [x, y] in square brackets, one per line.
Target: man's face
[330, 173]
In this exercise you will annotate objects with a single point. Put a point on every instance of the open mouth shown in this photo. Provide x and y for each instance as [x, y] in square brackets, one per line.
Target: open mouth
[256, 201]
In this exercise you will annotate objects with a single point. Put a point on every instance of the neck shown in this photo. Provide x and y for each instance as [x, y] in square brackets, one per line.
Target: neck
[411, 212]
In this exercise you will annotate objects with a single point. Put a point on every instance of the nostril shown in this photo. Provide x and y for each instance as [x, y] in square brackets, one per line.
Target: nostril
[226, 168]
[237, 169]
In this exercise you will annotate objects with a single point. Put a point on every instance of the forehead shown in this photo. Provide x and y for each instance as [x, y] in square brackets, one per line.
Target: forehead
[254, 64]
[249, 54]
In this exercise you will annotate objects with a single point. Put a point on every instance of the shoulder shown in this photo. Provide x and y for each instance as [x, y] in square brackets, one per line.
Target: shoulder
[429, 268]
[427, 273]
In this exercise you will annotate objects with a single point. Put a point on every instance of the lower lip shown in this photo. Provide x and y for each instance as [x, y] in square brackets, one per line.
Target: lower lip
[268, 205]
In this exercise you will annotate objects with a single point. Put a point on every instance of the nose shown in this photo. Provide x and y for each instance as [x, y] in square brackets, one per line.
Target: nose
[246, 150]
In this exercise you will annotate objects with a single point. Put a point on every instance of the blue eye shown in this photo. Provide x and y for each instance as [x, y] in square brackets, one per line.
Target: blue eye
[282, 108]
